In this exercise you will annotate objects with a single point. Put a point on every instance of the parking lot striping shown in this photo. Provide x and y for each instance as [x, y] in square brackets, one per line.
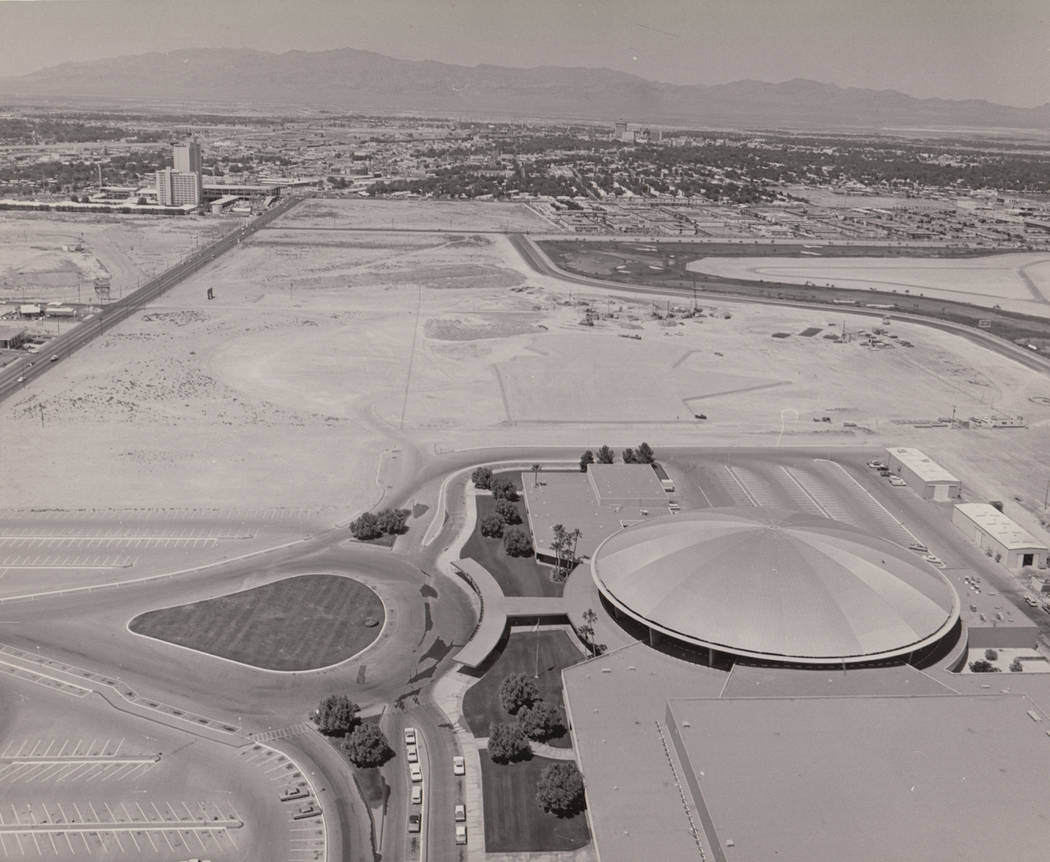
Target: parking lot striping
[762, 490]
[874, 505]
[806, 495]
[737, 489]
[44, 679]
[824, 496]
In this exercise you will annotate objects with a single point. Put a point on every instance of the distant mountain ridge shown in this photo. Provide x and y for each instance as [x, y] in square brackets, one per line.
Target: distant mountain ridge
[353, 80]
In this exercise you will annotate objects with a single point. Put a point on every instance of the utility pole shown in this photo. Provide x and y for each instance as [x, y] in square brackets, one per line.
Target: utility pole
[1046, 494]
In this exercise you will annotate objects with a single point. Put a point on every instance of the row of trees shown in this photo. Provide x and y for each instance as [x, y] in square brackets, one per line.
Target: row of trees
[644, 454]
[363, 741]
[373, 525]
[504, 520]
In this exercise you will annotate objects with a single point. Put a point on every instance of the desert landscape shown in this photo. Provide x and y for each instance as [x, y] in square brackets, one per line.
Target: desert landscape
[324, 349]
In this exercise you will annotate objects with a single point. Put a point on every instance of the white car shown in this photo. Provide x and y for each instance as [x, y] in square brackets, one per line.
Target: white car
[417, 794]
[415, 773]
[413, 754]
[460, 813]
[410, 736]
[461, 833]
[459, 765]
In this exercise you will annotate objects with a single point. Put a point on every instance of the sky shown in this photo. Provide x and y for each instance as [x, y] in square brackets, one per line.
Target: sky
[987, 49]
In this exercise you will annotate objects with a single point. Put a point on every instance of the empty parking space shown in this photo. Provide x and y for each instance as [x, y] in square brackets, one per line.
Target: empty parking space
[45, 560]
[135, 829]
[65, 760]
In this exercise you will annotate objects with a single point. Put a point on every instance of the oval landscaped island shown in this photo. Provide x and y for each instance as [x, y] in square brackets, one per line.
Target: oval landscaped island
[304, 622]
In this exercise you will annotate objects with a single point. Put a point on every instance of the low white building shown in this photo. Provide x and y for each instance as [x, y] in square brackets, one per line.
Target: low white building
[991, 530]
[929, 479]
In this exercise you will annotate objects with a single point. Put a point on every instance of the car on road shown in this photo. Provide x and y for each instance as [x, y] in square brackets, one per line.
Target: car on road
[410, 736]
[877, 465]
[460, 813]
[897, 481]
[414, 772]
[885, 473]
[413, 754]
[414, 822]
[459, 765]
[1032, 603]
[417, 794]
[54, 357]
[461, 833]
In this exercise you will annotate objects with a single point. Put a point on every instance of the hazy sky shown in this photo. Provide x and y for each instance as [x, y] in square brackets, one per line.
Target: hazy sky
[992, 49]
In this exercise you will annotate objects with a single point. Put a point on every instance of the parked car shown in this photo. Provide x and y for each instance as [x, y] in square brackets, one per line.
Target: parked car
[459, 765]
[296, 791]
[919, 546]
[1032, 603]
[413, 754]
[414, 772]
[897, 481]
[410, 736]
[417, 794]
[415, 822]
[461, 833]
[460, 812]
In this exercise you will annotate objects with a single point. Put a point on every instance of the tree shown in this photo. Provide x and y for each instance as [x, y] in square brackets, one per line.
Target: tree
[507, 743]
[392, 521]
[586, 459]
[337, 715]
[482, 478]
[991, 655]
[541, 721]
[516, 542]
[517, 691]
[644, 453]
[605, 455]
[629, 457]
[366, 526]
[492, 526]
[503, 489]
[1016, 666]
[560, 789]
[564, 547]
[508, 511]
[589, 629]
[367, 746]
[982, 666]
[536, 474]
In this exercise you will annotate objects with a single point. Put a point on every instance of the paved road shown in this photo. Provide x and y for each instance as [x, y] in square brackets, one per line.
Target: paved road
[20, 372]
[539, 262]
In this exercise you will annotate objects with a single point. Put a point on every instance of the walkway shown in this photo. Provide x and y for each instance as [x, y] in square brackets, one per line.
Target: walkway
[498, 610]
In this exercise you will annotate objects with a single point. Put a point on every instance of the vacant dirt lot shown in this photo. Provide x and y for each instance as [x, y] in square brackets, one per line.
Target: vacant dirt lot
[324, 349]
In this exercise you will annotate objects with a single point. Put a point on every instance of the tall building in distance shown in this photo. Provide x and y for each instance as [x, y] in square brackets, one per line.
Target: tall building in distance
[184, 183]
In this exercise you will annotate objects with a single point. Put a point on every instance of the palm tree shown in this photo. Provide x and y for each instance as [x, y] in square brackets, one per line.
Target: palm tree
[535, 474]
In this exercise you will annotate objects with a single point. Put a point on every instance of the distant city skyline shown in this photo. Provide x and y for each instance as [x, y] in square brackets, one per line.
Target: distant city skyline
[955, 49]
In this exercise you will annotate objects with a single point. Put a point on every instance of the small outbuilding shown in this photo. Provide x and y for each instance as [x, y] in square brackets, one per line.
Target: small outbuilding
[928, 478]
[991, 530]
[11, 337]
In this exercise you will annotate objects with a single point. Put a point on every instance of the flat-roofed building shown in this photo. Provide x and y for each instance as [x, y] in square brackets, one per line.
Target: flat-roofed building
[598, 503]
[178, 189]
[929, 479]
[11, 337]
[825, 779]
[991, 530]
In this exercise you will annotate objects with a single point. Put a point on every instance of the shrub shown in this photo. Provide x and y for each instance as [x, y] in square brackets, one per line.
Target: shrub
[605, 455]
[366, 527]
[508, 511]
[541, 721]
[586, 459]
[517, 691]
[1016, 666]
[644, 453]
[367, 746]
[982, 666]
[482, 478]
[337, 715]
[507, 743]
[516, 542]
[392, 521]
[991, 654]
[629, 457]
[560, 789]
[492, 526]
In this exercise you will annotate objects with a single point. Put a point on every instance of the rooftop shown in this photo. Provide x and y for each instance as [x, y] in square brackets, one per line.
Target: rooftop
[626, 483]
[916, 461]
[937, 778]
[569, 499]
[1007, 533]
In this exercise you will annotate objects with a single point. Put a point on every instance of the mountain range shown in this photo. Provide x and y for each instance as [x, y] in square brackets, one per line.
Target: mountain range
[362, 81]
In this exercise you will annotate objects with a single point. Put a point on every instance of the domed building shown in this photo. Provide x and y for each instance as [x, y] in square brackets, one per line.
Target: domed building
[776, 586]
